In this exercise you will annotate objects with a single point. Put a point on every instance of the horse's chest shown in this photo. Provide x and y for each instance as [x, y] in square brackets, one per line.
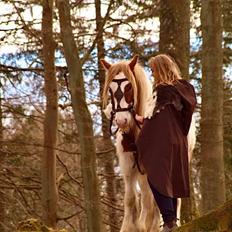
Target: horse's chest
[128, 142]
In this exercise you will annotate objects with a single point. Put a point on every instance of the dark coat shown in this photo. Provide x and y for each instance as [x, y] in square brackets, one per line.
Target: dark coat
[162, 143]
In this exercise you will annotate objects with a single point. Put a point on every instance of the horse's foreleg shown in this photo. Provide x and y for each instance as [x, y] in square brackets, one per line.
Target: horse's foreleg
[130, 206]
[178, 210]
[149, 216]
[126, 161]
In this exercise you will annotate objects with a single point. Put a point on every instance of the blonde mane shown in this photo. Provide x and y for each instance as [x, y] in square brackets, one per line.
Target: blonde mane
[140, 84]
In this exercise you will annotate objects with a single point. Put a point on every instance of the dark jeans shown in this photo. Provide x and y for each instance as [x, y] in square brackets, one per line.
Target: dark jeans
[167, 205]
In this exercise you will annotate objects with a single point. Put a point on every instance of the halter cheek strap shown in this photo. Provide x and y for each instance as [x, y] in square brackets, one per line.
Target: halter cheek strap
[118, 109]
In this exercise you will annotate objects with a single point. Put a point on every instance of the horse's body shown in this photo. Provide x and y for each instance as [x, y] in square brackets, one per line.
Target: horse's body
[130, 92]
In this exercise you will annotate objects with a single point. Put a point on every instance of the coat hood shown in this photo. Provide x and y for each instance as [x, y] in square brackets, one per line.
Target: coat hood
[189, 101]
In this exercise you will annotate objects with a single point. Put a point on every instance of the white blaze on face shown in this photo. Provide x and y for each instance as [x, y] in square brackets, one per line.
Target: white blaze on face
[122, 118]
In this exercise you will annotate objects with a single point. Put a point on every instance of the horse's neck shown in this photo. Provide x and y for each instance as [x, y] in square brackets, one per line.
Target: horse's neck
[145, 95]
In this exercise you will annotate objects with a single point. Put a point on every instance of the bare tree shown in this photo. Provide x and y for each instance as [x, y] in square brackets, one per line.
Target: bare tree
[49, 188]
[109, 159]
[2, 158]
[83, 120]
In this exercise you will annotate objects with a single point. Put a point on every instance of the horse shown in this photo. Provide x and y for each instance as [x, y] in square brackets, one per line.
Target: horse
[130, 93]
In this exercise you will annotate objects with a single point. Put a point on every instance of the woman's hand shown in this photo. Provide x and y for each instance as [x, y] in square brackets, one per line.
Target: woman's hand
[139, 118]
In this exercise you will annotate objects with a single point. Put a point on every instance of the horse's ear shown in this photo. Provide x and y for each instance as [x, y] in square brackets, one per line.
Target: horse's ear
[105, 64]
[133, 62]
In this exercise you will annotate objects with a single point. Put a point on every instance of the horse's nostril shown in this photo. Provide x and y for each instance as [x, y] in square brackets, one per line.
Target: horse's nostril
[121, 122]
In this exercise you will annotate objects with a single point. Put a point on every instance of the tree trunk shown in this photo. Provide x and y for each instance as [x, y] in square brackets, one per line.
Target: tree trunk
[175, 41]
[2, 158]
[212, 169]
[83, 120]
[49, 188]
[174, 32]
[109, 160]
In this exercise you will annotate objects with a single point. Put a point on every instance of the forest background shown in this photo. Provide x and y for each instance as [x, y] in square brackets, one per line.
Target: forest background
[57, 159]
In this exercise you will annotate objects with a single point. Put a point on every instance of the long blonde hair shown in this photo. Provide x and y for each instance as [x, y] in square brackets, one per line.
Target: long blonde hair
[166, 69]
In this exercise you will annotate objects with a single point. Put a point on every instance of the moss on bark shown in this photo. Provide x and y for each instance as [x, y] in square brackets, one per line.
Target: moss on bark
[219, 220]
[35, 226]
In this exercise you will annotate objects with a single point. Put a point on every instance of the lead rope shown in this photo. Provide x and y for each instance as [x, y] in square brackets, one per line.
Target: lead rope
[135, 153]
[111, 123]
[136, 122]
[136, 157]
[112, 113]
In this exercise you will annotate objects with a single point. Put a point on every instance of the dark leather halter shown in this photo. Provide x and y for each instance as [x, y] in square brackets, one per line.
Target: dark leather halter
[118, 96]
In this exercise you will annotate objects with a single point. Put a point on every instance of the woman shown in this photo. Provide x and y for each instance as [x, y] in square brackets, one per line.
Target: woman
[162, 143]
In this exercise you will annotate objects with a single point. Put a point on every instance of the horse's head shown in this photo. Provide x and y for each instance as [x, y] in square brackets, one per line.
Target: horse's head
[121, 88]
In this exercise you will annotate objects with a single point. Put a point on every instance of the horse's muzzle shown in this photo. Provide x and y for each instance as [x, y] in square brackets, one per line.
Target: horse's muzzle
[122, 123]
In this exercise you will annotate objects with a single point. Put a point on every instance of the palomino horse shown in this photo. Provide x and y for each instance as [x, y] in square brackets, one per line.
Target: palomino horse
[130, 92]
